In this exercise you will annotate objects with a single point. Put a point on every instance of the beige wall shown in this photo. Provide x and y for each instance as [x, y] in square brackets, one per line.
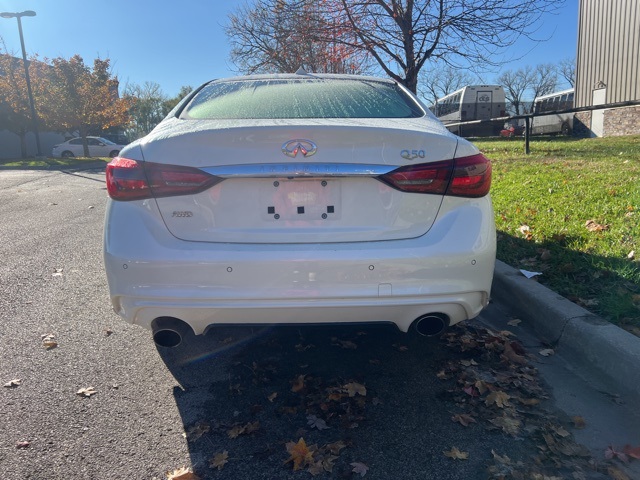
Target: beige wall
[608, 63]
[608, 50]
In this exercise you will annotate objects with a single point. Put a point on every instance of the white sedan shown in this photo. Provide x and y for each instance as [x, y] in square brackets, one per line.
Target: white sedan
[98, 147]
[301, 198]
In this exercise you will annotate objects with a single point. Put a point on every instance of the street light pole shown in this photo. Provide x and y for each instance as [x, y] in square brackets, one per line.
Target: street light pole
[34, 118]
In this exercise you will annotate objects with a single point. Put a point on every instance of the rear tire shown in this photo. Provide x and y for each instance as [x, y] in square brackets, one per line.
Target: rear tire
[114, 153]
[565, 129]
[67, 154]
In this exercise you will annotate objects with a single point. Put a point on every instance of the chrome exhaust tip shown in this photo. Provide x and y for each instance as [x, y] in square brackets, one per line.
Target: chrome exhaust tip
[168, 332]
[431, 325]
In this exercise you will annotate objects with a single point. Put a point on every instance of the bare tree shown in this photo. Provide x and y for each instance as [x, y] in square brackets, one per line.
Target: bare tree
[403, 34]
[147, 109]
[522, 86]
[271, 36]
[567, 69]
[515, 84]
[442, 80]
[544, 80]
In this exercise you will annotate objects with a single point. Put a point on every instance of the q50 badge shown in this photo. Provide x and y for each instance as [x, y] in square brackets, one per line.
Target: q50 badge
[412, 154]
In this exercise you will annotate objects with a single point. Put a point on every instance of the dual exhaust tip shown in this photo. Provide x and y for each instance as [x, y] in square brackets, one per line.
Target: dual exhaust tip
[168, 332]
[431, 324]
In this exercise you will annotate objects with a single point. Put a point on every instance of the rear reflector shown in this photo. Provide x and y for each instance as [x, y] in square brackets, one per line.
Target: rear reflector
[462, 177]
[131, 180]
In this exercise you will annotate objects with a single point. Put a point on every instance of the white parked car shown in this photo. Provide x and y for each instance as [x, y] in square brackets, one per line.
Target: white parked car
[280, 199]
[98, 147]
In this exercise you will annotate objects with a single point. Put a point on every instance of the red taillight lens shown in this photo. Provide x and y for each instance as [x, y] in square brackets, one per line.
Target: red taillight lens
[471, 177]
[126, 180]
[424, 178]
[463, 177]
[131, 180]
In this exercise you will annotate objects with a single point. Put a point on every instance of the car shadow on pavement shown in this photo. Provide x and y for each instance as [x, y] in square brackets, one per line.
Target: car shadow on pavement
[333, 400]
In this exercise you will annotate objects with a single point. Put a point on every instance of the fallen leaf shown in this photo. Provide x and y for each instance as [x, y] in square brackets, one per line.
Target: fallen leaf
[468, 363]
[399, 347]
[335, 447]
[611, 453]
[359, 468]
[354, 389]
[299, 453]
[593, 226]
[545, 254]
[347, 344]
[515, 322]
[578, 422]
[24, 444]
[511, 356]
[13, 383]
[633, 452]
[525, 230]
[272, 397]
[298, 384]
[482, 386]
[456, 454]
[631, 255]
[505, 460]
[561, 431]
[183, 473]
[499, 398]
[471, 391]
[315, 422]
[617, 474]
[235, 432]
[588, 302]
[547, 352]
[463, 419]
[197, 431]
[57, 272]
[507, 424]
[219, 460]
[252, 427]
[86, 392]
[49, 341]
[572, 449]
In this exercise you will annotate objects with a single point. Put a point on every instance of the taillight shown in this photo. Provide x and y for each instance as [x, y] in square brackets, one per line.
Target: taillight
[424, 178]
[471, 177]
[462, 177]
[131, 180]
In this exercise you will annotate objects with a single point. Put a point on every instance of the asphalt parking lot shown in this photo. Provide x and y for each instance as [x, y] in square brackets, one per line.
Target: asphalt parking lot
[480, 402]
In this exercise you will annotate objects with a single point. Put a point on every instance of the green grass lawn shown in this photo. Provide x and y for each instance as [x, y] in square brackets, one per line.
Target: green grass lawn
[45, 163]
[571, 210]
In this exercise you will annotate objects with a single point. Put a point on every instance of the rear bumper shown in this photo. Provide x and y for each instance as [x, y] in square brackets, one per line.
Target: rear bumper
[152, 274]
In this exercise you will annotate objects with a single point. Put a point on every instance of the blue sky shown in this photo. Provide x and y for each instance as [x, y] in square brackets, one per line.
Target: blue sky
[175, 43]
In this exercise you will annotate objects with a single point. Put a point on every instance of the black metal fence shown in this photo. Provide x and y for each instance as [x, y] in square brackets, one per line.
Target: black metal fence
[529, 116]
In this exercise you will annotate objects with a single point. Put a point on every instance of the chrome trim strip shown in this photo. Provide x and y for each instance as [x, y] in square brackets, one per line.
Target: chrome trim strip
[271, 170]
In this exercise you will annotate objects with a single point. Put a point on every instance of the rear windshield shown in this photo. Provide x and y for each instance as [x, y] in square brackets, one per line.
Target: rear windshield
[304, 98]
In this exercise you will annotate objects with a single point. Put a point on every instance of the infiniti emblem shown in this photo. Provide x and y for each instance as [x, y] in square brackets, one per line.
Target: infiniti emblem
[306, 147]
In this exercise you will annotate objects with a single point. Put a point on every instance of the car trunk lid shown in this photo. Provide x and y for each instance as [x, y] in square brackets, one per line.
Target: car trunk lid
[300, 181]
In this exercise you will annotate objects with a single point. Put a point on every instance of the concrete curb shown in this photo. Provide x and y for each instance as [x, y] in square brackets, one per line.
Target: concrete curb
[571, 329]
